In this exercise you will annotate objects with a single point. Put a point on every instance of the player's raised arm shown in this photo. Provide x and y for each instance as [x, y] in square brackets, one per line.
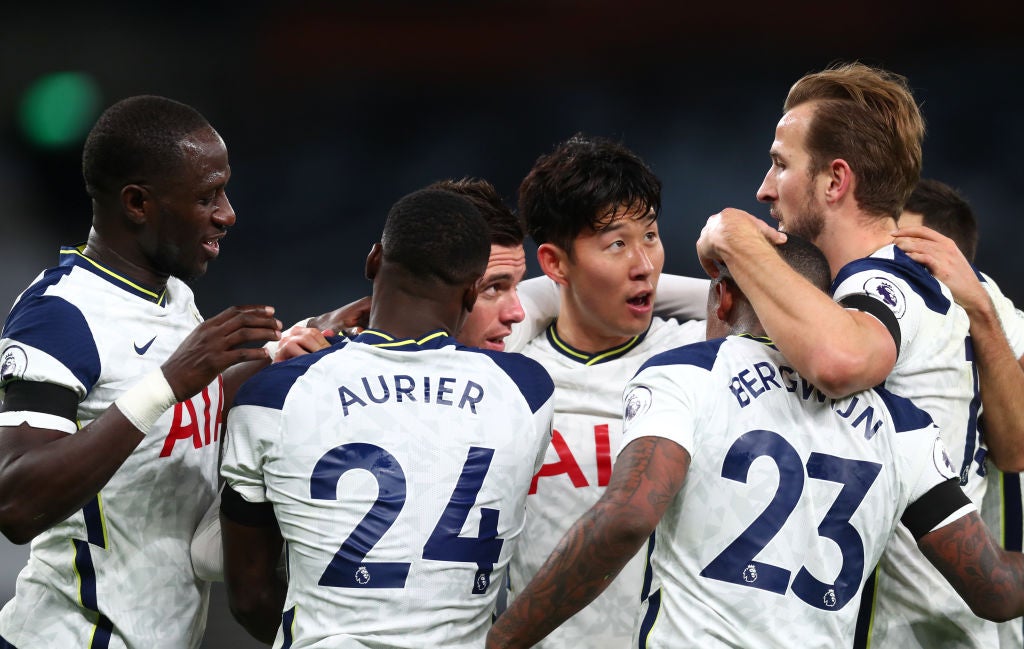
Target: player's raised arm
[839, 350]
[647, 476]
[46, 473]
[1000, 372]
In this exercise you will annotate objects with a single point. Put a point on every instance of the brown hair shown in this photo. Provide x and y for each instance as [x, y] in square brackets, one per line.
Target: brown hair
[868, 117]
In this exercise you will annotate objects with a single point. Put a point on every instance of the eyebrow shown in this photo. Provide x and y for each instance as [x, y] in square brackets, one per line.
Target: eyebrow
[501, 276]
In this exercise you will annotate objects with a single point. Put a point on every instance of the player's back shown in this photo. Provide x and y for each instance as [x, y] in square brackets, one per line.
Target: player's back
[912, 605]
[398, 476]
[789, 500]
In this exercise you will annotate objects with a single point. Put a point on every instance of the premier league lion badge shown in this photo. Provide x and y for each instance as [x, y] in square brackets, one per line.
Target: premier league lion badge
[888, 293]
[637, 402]
[13, 363]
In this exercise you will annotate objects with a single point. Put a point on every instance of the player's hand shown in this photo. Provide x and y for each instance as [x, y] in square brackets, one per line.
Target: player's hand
[217, 344]
[299, 341]
[728, 231]
[350, 319]
[940, 255]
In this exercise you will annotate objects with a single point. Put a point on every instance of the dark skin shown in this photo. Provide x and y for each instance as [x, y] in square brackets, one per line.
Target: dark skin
[405, 306]
[146, 232]
[647, 477]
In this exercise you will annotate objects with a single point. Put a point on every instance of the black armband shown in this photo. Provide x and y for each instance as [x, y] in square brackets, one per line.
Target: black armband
[870, 305]
[47, 398]
[935, 506]
[243, 512]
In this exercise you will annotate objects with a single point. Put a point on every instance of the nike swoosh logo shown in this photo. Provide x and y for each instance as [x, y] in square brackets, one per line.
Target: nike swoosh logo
[145, 348]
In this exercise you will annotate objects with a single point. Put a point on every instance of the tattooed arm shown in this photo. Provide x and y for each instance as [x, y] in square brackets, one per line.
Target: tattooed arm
[647, 476]
[990, 579]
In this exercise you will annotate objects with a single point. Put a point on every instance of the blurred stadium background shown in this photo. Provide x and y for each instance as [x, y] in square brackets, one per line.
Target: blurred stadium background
[332, 111]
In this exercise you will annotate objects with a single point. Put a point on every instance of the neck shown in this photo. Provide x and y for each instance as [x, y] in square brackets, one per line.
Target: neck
[115, 255]
[854, 237]
[587, 334]
[409, 315]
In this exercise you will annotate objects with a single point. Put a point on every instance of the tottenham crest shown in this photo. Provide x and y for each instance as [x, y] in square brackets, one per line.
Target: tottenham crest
[13, 363]
[888, 293]
[637, 402]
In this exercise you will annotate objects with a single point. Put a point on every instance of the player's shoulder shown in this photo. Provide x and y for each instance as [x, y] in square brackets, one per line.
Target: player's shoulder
[905, 415]
[533, 381]
[270, 386]
[675, 332]
[702, 354]
[888, 275]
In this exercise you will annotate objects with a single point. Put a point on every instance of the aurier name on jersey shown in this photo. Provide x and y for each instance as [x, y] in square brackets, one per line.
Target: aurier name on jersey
[397, 471]
[399, 388]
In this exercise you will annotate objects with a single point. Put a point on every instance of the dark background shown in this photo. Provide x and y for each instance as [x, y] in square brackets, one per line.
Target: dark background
[332, 111]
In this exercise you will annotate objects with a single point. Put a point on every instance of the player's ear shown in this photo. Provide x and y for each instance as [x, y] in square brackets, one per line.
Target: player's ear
[373, 261]
[726, 299]
[469, 296]
[840, 181]
[553, 261]
[133, 202]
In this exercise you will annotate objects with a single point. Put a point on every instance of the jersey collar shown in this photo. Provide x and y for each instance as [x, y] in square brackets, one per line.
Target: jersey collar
[764, 340]
[587, 358]
[74, 256]
[433, 340]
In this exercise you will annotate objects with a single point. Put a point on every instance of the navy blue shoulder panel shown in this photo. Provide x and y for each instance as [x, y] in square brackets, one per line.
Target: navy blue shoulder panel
[55, 326]
[906, 269]
[905, 415]
[529, 376]
[270, 386]
[702, 355]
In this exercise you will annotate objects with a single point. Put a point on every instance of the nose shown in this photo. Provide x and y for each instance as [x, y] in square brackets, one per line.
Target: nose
[512, 311]
[642, 264]
[766, 192]
[224, 215]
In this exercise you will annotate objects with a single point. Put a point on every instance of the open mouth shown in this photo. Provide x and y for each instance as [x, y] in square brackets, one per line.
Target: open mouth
[212, 246]
[641, 300]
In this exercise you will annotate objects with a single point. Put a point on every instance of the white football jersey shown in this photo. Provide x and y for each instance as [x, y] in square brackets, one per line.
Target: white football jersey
[912, 604]
[587, 429]
[398, 471]
[117, 573]
[1003, 504]
[789, 500]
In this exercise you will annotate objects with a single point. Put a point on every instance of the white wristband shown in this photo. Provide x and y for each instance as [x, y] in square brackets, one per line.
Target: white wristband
[143, 403]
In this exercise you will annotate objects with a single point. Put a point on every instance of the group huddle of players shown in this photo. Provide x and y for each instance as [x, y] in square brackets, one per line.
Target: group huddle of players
[789, 452]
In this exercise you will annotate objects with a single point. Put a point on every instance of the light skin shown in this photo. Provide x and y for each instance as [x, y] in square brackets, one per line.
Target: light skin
[497, 306]
[608, 282]
[841, 351]
[148, 232]
[647, 477]
[1001, 373]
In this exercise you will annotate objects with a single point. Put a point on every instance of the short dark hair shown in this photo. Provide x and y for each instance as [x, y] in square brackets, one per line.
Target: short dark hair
[802, 256]
[580, 185]
[437, 234]
[946, 211]
[136, 140]
[807, 259]
[506, 228]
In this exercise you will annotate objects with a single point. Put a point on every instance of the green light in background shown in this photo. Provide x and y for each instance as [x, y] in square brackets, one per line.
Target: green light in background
[58, 109]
